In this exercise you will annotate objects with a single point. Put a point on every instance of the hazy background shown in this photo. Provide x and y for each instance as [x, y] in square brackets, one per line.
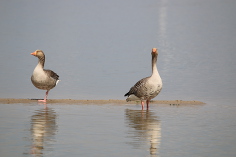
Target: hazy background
[102, 48]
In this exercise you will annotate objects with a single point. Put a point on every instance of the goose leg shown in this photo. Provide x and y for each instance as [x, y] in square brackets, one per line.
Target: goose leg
[45, 98]
[147, 102]
[142, 103]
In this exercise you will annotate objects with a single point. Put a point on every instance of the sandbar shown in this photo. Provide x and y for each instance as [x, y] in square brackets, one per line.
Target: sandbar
[110, 101]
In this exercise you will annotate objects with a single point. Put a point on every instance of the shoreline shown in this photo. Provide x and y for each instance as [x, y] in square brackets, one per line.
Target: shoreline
[110, 101]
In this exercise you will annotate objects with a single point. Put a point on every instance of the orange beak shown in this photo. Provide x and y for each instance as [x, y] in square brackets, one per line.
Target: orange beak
[154, 50]
[33, 53]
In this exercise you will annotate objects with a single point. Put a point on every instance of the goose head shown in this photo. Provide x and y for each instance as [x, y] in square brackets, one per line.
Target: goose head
[154, 52]
[38, 53]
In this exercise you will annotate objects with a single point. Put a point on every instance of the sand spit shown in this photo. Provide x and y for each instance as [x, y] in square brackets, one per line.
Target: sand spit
[111, 101]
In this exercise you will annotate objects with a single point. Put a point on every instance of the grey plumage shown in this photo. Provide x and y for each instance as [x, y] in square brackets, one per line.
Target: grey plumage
[136, 89]
[149, 87]
[42, 78]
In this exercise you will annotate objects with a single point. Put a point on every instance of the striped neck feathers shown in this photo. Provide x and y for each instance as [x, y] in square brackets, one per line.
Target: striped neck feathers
[41, 60]
[154, 67]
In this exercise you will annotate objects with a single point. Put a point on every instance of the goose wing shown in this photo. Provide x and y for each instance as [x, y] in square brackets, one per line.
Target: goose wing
[52, 74]
[138, 88]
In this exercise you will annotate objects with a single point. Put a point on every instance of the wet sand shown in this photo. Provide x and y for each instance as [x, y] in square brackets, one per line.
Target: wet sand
[110, 101]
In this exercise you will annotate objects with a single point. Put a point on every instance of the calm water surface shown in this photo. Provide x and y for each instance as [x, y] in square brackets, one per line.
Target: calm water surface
[100, 49]
[116, 130]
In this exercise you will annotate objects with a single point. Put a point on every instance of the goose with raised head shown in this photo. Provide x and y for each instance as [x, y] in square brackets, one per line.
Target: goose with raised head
[149, 87]
[42, 78]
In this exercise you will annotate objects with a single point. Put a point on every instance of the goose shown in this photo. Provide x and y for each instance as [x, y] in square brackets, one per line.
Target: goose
[147, 88]
[42, 78]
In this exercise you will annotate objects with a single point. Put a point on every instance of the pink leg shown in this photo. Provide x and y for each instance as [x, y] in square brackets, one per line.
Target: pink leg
[147, 102]
[45, 98]
[142, 103]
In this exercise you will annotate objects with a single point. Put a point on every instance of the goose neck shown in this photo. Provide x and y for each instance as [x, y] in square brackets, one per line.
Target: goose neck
[41, 61]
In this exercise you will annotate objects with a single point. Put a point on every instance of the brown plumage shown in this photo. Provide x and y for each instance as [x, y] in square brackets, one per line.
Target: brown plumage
[42, 78]
[149, 87]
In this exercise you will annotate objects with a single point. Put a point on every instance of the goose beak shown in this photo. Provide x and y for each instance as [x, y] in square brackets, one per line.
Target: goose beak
[33, 53]
[154, 51]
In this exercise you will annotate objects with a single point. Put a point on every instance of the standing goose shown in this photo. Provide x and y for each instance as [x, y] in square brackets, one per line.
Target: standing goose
[42, 78]
[149, 87]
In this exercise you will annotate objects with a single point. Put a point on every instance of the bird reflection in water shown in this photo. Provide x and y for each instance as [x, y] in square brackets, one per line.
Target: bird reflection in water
[43, 130]
[144, 129]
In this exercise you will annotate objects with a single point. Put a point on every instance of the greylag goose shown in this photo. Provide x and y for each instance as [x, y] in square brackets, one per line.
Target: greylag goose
[149, 87]
[41, 78]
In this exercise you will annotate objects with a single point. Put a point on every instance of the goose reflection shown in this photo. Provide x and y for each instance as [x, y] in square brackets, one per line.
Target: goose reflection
[144, 129]
[43, 130]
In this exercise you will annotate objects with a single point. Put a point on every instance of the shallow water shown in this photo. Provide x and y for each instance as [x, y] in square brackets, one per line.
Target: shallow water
[116, 130]
[101, 55]
[100, 50]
